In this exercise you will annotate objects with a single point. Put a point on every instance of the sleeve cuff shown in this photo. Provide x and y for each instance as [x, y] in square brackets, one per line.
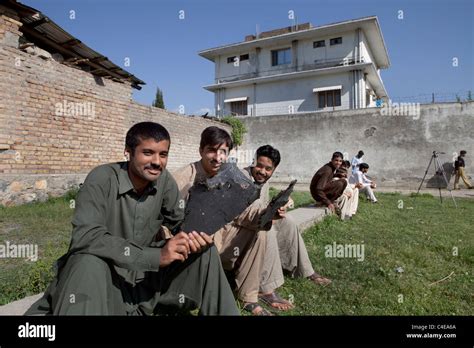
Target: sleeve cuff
[152, 255]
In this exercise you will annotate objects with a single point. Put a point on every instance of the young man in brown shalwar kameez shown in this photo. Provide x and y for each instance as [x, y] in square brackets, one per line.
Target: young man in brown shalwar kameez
[323, 188]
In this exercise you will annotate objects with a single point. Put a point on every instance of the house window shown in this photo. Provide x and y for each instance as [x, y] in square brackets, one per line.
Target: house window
[320, 43]
[238, 107]
[329, 98]
[280, 57]
[335, 41]
[234, 59]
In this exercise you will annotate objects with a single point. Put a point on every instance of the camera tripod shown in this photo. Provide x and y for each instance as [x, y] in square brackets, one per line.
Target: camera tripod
[439, 170]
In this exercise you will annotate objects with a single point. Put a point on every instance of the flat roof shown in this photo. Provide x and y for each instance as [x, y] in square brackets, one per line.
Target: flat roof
[370, 25]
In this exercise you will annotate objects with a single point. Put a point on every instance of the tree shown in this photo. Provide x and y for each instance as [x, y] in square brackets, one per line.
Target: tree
[159, 102]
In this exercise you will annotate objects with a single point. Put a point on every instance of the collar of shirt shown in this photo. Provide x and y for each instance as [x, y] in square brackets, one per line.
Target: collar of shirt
[125, 184]
[332, 167]
[248, 172]
[201, 174]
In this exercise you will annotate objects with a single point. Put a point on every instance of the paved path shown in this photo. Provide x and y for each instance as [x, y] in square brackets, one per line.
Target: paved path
[19, 307]
[463, 193]
[304, 217]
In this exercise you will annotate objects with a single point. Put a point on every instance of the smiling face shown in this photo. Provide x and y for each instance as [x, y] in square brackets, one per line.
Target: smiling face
[336, 162]
[263, 169]
[148, 161]
[212, 158]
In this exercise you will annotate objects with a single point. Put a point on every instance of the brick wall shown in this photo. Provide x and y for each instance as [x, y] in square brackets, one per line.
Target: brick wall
[59, 120]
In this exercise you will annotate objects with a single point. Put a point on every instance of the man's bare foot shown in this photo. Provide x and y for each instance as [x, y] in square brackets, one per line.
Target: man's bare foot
[319, 279]
[274, 300]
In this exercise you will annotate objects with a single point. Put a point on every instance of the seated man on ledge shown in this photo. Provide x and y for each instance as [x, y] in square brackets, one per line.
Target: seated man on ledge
[240, 243]
[366, 185]
[285, 250]
[323, 188]
[117, 263]
[349, 200]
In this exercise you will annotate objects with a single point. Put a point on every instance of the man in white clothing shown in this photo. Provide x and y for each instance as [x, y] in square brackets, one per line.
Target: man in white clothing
[356, 161]
[349, 200]
[359, 177]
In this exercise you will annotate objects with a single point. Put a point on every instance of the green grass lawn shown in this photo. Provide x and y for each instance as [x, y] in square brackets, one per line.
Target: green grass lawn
[419, 240]
[46, 224]
[423, 241]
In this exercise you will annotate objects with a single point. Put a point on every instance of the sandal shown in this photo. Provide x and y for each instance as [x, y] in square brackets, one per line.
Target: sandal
[250, 307]
[274, 299]
[319, 279]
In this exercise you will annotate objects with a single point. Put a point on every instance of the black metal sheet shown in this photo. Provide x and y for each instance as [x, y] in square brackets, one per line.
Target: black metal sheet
[217, 201]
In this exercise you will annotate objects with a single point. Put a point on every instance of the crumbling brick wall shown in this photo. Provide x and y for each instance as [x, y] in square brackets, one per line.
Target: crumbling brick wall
[58, 121]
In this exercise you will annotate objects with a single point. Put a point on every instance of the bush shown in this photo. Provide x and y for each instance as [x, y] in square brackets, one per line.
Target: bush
[238, 129]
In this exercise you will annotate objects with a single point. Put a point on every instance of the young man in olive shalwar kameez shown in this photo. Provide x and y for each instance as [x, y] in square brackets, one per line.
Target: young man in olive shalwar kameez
[117, 263]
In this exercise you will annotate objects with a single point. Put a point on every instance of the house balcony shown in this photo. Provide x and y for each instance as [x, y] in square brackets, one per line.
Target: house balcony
[318, 64]
[319, 68]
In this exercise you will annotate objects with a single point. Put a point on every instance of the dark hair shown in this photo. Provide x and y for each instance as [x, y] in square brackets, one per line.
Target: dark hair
[363, 166]
[270, 152]
[360, 153]
[337, 154]
[346, 164]
[145, 130]
[341, 171]
[463, 152]
[213, 136]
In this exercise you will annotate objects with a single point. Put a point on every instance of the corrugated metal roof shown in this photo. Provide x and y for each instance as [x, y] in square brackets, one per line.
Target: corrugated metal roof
[41, 30]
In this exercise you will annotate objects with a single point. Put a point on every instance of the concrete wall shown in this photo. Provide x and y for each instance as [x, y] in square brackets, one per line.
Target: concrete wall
[398, 148]
[366, 51]
[45, 151]
[230, 69]
[309, 54]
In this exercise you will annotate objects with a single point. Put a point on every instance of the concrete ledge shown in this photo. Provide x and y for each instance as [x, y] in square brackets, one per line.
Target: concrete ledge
[307, 216]
[19, 307]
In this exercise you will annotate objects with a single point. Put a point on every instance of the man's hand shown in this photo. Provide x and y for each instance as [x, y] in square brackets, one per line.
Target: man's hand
[373, 185]
[180, 246]
[359, 185]
[176, 248]
[199, 242]
[281, 212]
[348, 194]
[332, 207]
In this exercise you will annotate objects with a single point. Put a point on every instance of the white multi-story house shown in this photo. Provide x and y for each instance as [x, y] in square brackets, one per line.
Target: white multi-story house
[301, 69]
